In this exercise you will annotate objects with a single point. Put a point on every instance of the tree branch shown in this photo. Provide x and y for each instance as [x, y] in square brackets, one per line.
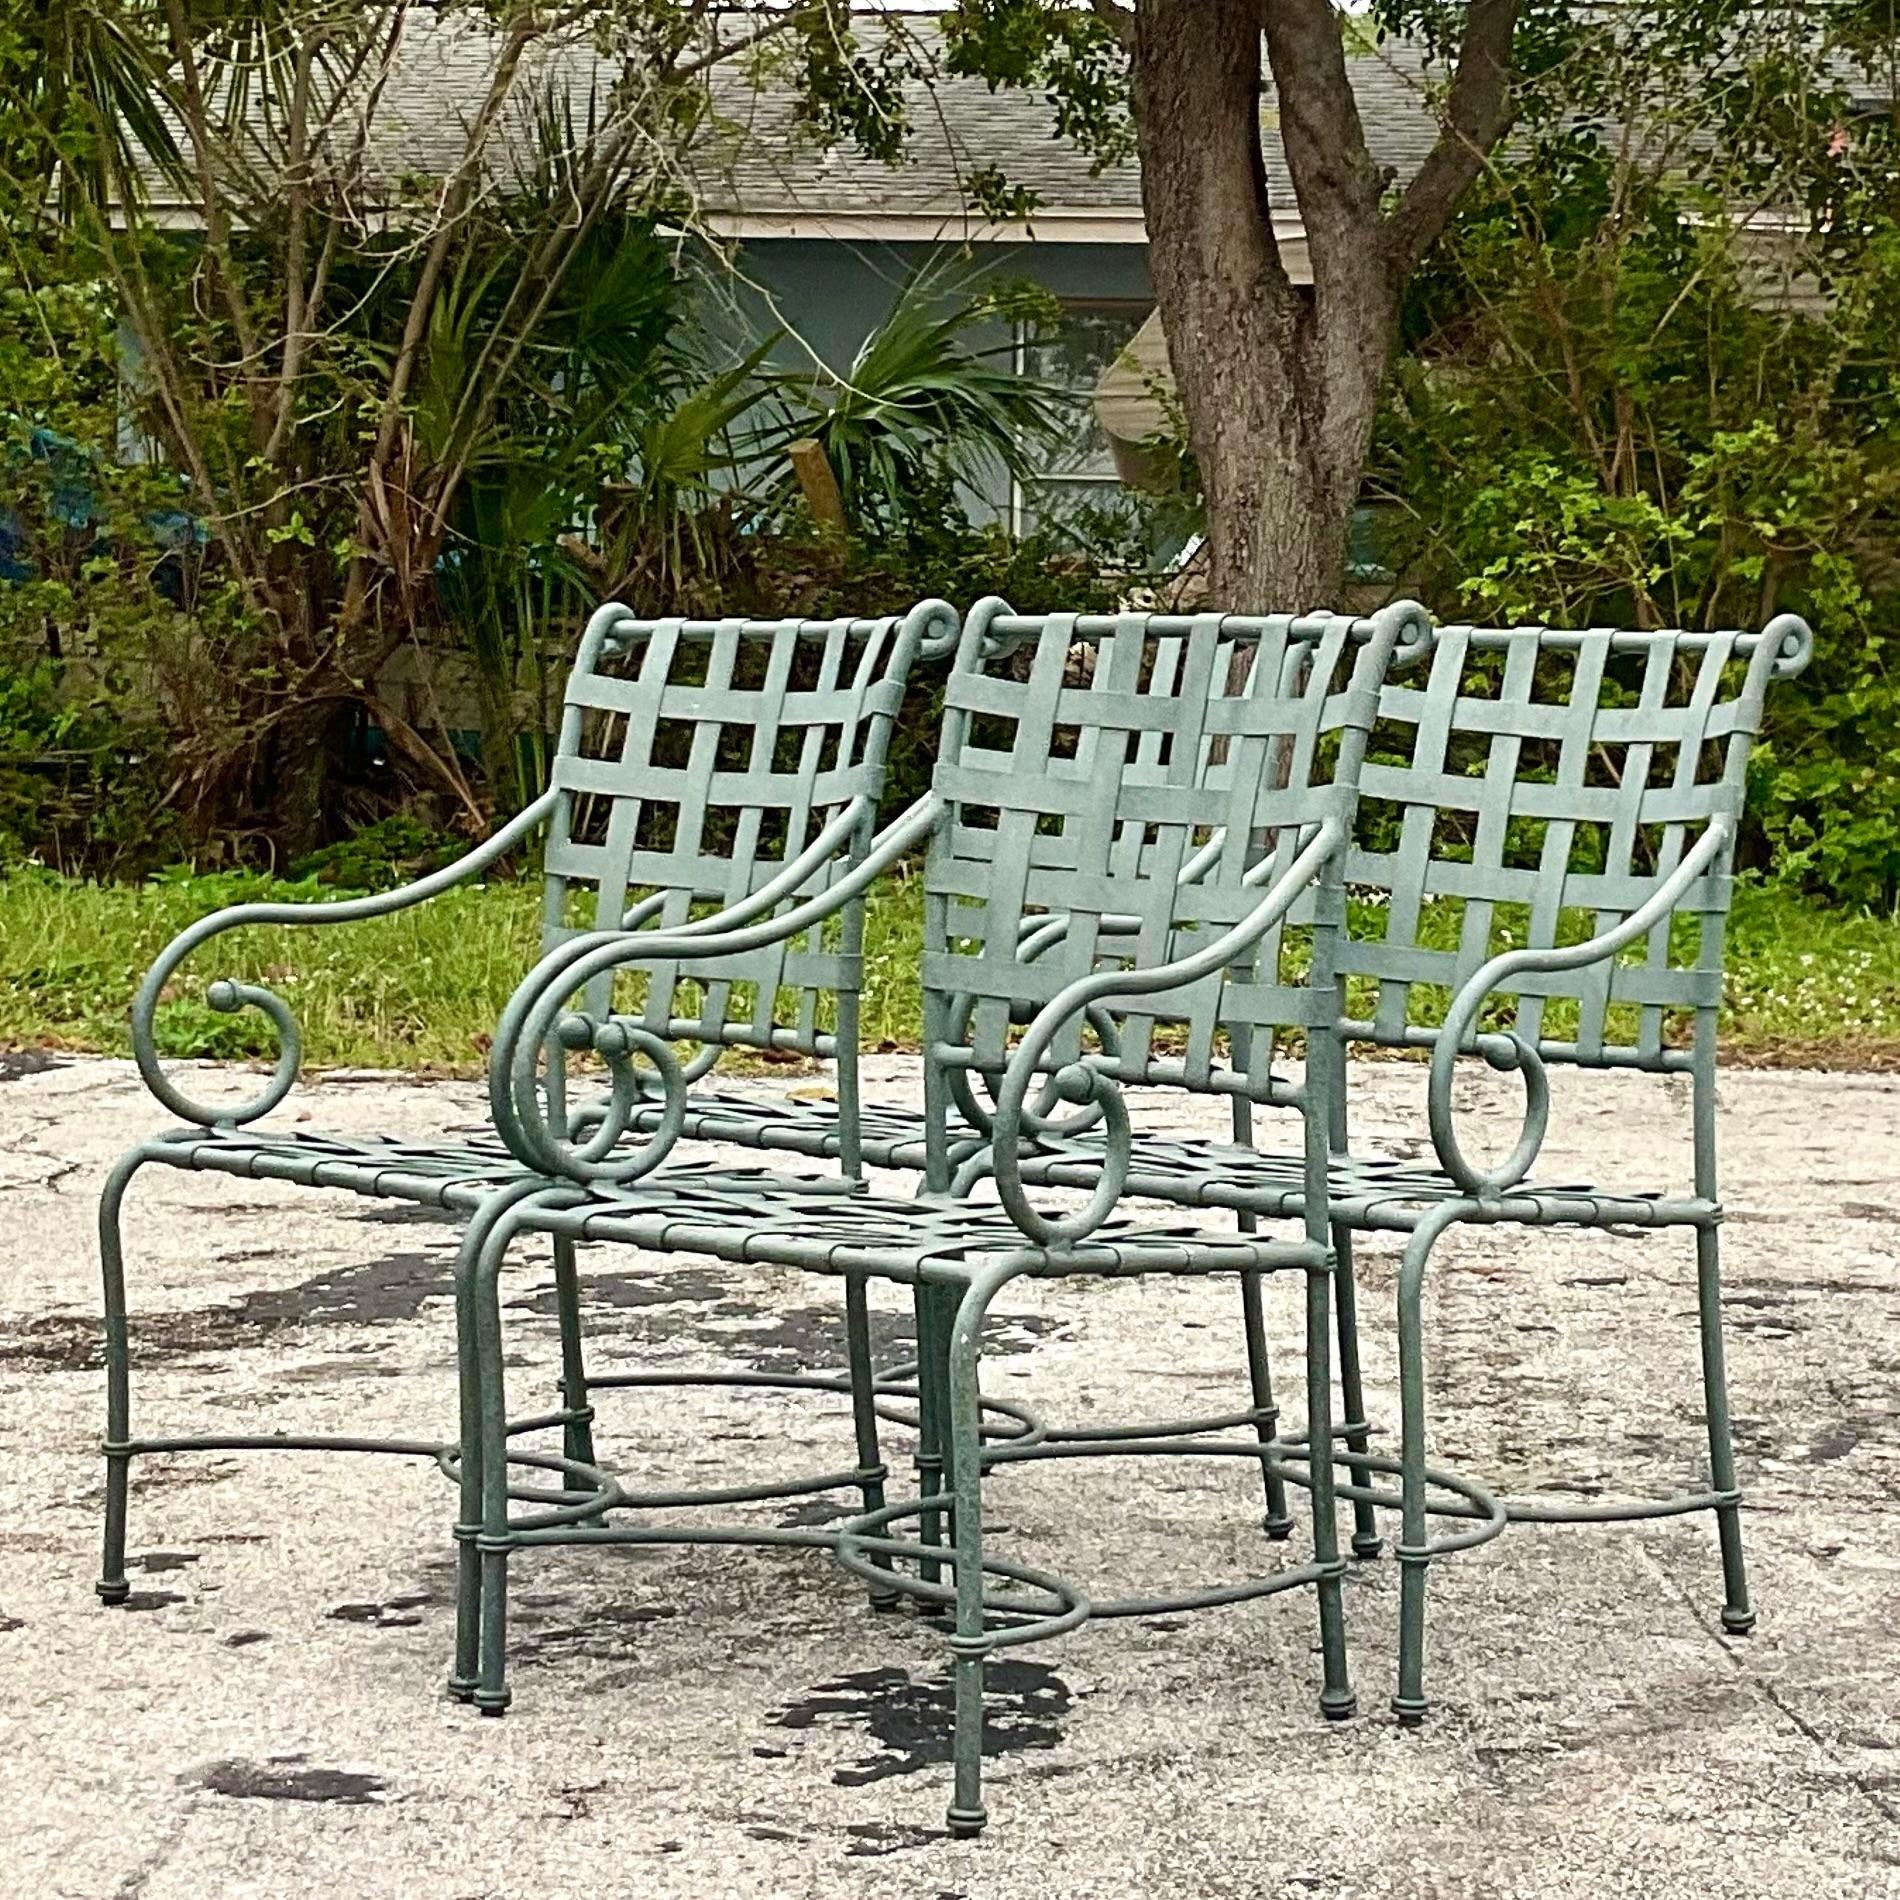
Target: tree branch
[1477, 114]
[297, 214]
[721, 50]
[454, 196]
[1326, 158]
[217, 222]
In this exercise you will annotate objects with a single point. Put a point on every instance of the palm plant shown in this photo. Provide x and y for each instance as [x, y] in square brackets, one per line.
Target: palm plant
[666, 528]
[927, 404]
[513, 562]
[81, 110]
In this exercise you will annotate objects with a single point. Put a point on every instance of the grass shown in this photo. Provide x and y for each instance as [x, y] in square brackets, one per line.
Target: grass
[422, 990]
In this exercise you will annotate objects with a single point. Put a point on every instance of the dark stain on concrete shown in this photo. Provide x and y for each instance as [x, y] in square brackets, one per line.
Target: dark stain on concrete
[1831, 1446]
[410, 1214]
[285, 1778]
[151, 1599]
[377, 1293]
[875, 1839]
[153, 1562]
[15, 1063]
[909, 1721]
[243, 1639]
[549, 1632]
[625, 1292]
[1869, 1210]
[397, 1613]
[704, 1306]
[380, 1292]
[1778, 1291]
[8, 1624]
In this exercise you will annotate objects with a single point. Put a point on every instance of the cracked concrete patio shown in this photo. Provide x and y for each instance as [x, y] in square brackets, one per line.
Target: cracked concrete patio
[267, 1717]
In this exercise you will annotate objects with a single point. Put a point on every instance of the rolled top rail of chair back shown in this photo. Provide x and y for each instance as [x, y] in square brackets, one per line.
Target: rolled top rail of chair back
[1532, 789]
[1000, 628]
[1121, 790]
[698, 761]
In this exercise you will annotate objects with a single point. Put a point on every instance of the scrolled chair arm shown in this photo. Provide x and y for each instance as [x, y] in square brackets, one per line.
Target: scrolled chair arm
[1083, 1085]
[1506, 1050]
[227, 996]
[537, 1016]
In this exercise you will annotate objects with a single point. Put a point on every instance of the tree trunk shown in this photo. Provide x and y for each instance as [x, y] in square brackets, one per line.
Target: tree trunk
[301, 771]
[1279, 391]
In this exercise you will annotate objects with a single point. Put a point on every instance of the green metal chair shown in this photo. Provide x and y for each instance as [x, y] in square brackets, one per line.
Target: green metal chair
[1066, 957]
[1547, 824]
[768, 800]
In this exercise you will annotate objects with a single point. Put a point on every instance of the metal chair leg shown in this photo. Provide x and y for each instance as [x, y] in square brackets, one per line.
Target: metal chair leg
[1336, 1701]
[464, 1677]
[112, 1585]
[1366, 1541]
[1738, 1614]
[872, 1470]
[1278, 1522]
[479, 1269]
[927, 1306]
[492, 1694]
[970, 1644]
[577, 1433]
[1414, 1547]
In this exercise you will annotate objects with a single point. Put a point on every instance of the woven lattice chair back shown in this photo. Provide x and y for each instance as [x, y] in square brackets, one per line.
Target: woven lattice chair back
[701, 761]
[1111, 783]
[1532, 791]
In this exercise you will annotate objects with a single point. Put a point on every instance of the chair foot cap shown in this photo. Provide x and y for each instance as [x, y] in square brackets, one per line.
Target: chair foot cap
[1366, 1548]
[1338, 1705]
[460, 1688]
[493, 1701]
[1738, 1622]
[1411, 1710]
[967, 1823]
[1278, 1528]
[113, 1590]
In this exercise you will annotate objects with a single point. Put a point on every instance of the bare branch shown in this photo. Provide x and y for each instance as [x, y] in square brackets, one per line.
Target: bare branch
[297, 215]
[454, 198]
[217, 219]
[1477, 115]
[722, 50]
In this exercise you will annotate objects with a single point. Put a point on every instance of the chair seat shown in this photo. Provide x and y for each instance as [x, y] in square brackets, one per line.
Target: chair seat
[1367, 1190]
[1364, 1190]
[755, 1214]
[447, 1174]
[748, 1214]
[889, 1137]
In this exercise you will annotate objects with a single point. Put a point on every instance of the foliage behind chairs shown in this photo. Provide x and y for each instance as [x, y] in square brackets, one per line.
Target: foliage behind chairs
[278, 353]
[1653, 379]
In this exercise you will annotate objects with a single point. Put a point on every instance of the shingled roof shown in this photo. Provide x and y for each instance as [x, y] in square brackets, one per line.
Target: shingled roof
[757, 169]
[762, 172]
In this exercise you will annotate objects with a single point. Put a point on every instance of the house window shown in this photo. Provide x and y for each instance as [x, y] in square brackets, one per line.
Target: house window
[1077, 470]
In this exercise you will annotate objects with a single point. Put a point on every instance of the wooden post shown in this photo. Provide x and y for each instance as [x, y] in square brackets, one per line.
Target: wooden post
[822, 495]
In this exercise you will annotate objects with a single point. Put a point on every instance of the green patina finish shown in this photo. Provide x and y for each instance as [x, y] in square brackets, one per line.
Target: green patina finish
[1139, 849]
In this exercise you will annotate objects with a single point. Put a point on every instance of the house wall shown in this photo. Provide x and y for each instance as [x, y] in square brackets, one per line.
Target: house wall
[831, 294]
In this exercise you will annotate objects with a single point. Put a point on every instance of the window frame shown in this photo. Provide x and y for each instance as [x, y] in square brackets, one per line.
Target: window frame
[1021, 490]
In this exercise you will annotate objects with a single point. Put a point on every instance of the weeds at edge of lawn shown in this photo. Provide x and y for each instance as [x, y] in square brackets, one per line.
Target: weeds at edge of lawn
[422, 990]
